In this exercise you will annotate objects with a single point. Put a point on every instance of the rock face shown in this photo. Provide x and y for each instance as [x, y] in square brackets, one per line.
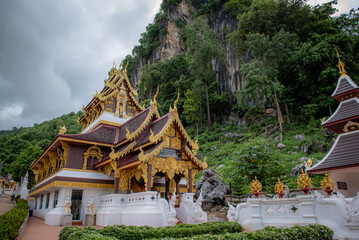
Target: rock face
[171, 44]
[212, 189]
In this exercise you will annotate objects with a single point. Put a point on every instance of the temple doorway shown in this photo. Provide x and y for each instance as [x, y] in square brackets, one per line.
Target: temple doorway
[76, 203]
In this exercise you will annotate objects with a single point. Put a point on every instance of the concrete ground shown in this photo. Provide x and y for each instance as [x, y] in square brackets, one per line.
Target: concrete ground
[5, 204]
[36, 229]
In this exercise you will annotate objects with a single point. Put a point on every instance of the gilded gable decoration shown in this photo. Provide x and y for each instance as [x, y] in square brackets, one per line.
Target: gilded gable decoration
[52, 159]
[351, 126]
[94, 152]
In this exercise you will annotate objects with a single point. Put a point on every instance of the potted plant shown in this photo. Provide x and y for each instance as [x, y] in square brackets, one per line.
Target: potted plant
[327, 185]
[279, 188]
[304, 182]
[256, 187]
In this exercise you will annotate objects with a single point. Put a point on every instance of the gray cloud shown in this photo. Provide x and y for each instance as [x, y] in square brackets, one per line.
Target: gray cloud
[55, 54]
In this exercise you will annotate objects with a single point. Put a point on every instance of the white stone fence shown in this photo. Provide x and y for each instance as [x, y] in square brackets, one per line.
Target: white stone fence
[336, 212]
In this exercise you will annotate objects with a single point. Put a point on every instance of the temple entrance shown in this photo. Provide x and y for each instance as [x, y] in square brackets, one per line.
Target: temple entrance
[137, 186]
[76, 203]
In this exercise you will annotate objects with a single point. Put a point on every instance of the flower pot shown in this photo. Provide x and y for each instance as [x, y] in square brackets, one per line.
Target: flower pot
[305, 190]
[256, 194]
[329, 191]
[281, 194]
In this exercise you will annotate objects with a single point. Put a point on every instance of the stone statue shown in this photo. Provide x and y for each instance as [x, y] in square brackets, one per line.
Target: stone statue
[172, 202]
[90, 205]
[68, 204]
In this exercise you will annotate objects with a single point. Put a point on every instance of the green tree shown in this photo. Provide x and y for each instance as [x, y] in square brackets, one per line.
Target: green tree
[202, 49]
[22, 163]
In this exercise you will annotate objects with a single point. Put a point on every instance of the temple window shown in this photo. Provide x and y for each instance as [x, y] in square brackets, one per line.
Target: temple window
[41, 201]
[47, 200]
[56, 198]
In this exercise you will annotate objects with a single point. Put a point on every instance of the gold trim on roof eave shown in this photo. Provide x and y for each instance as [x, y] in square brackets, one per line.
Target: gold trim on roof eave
[72, 184]
[145, 124]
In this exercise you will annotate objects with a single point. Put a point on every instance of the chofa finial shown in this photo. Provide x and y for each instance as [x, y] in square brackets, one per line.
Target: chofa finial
[62, 130]
[154, 98]
[175, 104]
[125, 70]
[341, 66]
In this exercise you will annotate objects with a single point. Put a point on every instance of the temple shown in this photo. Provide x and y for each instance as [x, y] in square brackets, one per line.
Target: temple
[342, 161]
[127, 161]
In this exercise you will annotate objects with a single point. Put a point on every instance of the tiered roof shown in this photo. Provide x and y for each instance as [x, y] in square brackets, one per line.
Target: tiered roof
[345, 121]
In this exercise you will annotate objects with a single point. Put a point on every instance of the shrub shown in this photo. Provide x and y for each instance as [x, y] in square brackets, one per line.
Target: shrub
[12, 220]
[145, 232]
[273, 233]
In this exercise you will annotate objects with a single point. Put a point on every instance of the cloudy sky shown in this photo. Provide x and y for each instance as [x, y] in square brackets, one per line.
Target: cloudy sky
[55, 54]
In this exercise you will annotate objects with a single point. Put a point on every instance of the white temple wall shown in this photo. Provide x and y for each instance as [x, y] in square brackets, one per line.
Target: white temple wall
[351, 181]
[52, 215]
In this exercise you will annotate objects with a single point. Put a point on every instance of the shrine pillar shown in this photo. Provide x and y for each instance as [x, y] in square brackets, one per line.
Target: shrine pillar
[149, 177]
[117, 181]
[167, 189]
[190, 184]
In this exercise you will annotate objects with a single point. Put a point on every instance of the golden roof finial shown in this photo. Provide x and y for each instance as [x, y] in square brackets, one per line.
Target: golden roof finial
[62, 130]
[341, 66]
[114, 63]
[154, 98]
[176, 101]
[119, 68]
[125, 70]
[309, 163]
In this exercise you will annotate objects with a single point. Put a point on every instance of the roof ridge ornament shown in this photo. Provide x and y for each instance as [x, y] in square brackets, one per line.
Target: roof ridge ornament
[125, 70]
[62, 130]
[154, 102]
[341, 66]
[119, 68]
[175, 103]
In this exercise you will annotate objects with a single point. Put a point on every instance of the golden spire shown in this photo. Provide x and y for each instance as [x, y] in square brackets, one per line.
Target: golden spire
[154, 98]
[119, 68]
[125, 70]
[341, 66]
[62, 130]
[175, 103]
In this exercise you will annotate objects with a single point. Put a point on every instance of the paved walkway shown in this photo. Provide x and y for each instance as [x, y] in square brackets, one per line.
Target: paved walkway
[5, 204]
[36, 229]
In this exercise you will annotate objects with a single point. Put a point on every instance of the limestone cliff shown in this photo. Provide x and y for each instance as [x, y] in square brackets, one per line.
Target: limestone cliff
[171, 45]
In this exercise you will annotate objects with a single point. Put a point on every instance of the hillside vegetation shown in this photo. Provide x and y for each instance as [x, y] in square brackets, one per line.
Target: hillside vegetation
[19, 147]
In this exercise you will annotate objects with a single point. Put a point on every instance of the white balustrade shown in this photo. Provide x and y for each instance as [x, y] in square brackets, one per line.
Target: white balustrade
[336, 212]
[137, 209]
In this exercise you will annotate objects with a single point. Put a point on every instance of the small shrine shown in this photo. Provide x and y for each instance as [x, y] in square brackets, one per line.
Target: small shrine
[342, 161]
[126, 163]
